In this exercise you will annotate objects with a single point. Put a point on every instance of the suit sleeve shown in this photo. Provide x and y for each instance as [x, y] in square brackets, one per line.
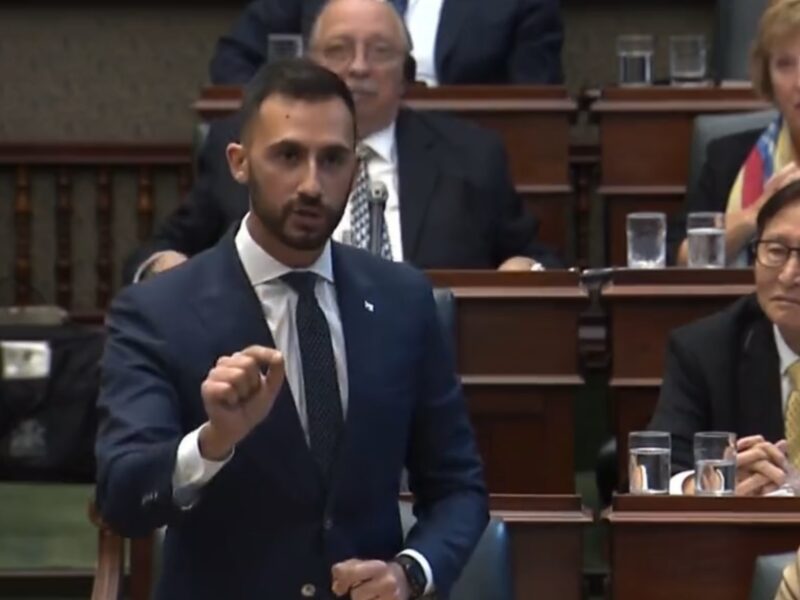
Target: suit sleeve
[683, 405]
[515, 227]
[240, 53]
[198, 222]
[139, 425]
[536, 54]
[445, 471]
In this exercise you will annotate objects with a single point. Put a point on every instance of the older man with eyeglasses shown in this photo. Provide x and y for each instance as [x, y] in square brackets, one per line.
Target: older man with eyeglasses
[739, 369]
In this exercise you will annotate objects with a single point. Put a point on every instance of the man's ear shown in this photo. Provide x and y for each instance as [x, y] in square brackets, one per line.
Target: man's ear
[237, 162]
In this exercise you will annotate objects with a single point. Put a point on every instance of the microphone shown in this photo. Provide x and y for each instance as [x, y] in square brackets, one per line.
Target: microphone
[378, 194]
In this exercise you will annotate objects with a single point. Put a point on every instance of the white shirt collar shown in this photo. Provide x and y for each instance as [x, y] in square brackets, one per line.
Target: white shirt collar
[786, 355]
[261, 267]
[383, 143]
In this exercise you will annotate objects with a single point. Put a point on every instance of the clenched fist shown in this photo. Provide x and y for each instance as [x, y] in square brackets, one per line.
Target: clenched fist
[369, 580]
[238, 394]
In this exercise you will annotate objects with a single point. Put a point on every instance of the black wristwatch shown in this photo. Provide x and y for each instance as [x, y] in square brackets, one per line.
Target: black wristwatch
[417, 582]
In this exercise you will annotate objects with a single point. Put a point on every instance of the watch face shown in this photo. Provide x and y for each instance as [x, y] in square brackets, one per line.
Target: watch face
[415, 575]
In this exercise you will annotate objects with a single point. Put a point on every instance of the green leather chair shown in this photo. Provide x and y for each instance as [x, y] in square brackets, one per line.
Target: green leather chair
[767, 575]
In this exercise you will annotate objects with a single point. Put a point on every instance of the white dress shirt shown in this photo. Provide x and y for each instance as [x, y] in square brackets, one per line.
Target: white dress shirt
[786, 358]
[279, 303]
[422, 20]
[381, 167]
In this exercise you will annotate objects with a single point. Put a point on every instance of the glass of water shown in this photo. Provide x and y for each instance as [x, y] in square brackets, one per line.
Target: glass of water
[714, 463]
[647, 239]
[635, 59]
[687, 59]
[281, 46]
[648, 462]
[705, 233]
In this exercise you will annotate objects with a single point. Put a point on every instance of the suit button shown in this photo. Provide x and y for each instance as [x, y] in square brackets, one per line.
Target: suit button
[328, 524]
[308, 591]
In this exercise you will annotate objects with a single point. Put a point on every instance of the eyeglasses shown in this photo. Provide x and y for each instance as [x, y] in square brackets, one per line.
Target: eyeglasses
[773, 254]
[340, 54]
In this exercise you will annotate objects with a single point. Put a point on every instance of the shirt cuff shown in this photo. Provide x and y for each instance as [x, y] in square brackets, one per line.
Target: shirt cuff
[676, 482]
[426, 567]
[192, 471]
[137, 277]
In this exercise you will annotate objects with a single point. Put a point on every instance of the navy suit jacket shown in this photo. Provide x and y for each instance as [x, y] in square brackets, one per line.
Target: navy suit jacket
[268, 524]
[722, 373]
[478, 41]
[458, 207]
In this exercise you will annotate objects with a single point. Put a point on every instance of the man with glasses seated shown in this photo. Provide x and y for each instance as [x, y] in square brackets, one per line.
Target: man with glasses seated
[451, 203]
[739, 369]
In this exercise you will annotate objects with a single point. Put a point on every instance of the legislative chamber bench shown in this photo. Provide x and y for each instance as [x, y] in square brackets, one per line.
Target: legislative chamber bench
[669, 547]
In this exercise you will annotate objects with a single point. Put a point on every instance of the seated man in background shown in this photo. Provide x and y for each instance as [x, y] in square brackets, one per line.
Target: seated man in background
[451, 203]
[455, 41]
[744, 169]
[287, 488]
[739, 369]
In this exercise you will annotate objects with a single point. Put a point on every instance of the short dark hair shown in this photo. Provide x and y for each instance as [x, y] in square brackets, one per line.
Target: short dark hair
[784, 197]
[295, 78]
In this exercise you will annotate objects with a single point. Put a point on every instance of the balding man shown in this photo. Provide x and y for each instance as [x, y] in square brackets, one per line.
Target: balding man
[451, 203]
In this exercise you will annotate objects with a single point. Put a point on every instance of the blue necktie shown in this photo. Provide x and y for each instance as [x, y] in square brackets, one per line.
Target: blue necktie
[323, 398]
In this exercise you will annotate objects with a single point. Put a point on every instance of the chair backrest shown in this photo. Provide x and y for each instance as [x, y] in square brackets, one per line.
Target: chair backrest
[487, 575]
[199, 136]
[767, 575]
[446, 309]
[736, 26]
[710, 127]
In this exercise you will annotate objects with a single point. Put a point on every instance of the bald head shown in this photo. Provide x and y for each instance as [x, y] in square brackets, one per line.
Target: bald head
[336, 10]
[365, 42]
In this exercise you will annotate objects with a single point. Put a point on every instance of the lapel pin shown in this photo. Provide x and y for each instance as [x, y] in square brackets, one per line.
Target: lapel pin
[368, 305]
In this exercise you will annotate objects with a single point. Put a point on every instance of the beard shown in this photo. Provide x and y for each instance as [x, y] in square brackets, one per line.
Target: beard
[278, 221]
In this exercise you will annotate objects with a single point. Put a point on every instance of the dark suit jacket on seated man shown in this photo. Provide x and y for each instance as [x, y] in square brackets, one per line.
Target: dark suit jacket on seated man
[287, 489]
[475, 41]
[451, 202]
[737, 370]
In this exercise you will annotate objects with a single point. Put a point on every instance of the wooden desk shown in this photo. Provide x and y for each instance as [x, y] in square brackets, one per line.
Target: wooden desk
[533, 122]
[645, 137]
[695, 548]
[517, 353]
[643, 307]
[546, 536]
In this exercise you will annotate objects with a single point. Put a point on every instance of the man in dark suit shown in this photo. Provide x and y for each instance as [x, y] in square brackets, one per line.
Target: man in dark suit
[476, 42]
[287, 489]
[451, 202]
[738, 369]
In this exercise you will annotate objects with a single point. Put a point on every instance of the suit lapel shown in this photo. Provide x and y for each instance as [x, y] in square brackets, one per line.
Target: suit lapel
[417, 178]
[454, 13]
[355, 295]
[233, 315]
[760, 406]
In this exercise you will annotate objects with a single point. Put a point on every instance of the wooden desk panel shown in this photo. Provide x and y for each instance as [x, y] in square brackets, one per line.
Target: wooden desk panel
[546, 535]
[695, 548]
[533, 122]
[517, 353]
[645, 137]
[643, 307]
